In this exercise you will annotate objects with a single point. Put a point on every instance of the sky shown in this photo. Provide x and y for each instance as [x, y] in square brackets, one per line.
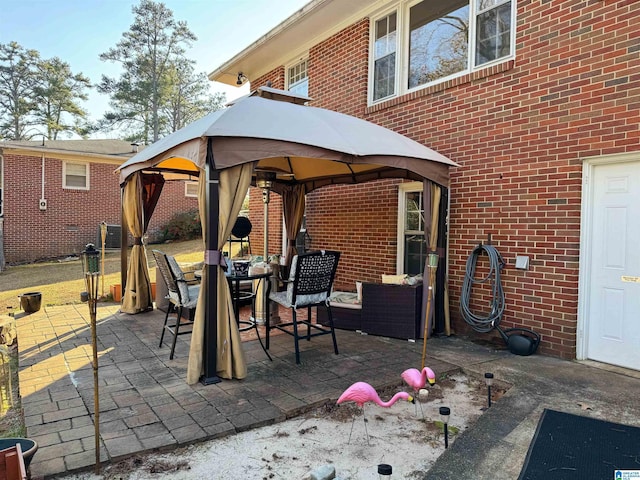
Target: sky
[78, 31]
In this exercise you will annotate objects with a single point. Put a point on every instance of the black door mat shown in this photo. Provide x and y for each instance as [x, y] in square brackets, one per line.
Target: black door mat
[567, 447]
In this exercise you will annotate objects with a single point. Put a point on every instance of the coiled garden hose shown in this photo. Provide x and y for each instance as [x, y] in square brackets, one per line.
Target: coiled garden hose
[490, 321]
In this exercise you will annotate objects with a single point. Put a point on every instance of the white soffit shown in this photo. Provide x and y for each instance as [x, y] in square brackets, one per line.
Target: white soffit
[314, 22]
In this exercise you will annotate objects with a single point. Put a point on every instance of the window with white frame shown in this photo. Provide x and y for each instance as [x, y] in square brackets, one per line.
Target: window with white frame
[190, 189]
[422, 43]
[412, 246]
[75, 176]
[297, 78]
[384, 57]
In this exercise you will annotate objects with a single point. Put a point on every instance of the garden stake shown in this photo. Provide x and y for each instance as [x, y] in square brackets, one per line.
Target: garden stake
[103, 233]
[433, 266]
[91, 270]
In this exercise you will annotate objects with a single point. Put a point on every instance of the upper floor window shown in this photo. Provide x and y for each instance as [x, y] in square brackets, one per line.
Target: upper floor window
[493, 30]
[437, 40]
[75, 176]
[384, 57]
[297, 78]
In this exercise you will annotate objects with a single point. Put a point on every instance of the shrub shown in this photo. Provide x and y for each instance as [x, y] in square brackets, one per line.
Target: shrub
[183, 226]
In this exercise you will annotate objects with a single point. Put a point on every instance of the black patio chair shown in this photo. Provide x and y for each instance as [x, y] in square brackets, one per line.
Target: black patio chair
[309, 285]
[181, 296]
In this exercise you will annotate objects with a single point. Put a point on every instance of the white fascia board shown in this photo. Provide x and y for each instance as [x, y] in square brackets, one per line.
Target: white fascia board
[315, 22]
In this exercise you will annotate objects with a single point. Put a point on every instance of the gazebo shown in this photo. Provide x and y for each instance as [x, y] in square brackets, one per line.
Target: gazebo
[301, 148]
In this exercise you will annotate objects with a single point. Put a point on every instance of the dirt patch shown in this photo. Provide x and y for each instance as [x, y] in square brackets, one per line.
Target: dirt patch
[407, 436]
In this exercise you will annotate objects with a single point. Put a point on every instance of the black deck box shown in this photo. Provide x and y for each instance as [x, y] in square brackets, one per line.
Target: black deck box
[343, 317]
[392, 310]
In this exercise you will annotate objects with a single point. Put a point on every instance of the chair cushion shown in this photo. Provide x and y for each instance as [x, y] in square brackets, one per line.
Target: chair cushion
[286, 298]
[181, 281]
[281, 298]
[194, 291]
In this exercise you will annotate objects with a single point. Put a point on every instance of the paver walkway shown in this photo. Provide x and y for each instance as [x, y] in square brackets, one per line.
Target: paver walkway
[145, 402]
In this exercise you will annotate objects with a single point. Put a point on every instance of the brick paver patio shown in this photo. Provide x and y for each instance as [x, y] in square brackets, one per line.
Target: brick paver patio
[145, 403]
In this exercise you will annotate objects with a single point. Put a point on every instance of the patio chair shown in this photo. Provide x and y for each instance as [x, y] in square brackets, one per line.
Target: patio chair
[309, 285]
[181, 296]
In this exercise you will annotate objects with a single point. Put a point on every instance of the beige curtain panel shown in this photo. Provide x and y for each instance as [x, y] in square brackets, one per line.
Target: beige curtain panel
[230, 361]
[137, 294]
[293, 204]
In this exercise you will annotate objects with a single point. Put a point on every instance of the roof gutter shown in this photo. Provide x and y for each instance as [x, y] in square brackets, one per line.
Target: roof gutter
[63, 154]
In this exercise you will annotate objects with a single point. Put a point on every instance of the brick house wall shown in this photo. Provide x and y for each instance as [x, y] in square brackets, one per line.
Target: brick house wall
[72, 217]
[519, 131]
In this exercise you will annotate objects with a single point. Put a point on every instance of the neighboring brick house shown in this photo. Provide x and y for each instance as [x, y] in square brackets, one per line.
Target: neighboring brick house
[54, 196]
[538, 101]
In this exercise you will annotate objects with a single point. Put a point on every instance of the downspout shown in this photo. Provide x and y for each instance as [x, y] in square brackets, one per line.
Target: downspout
[42, 182]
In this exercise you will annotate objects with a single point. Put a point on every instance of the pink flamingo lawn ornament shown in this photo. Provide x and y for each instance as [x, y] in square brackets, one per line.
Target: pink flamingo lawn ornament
[417, 380]
[361, 393]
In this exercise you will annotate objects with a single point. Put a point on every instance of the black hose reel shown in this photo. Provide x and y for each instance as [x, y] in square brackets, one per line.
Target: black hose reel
[519, 341]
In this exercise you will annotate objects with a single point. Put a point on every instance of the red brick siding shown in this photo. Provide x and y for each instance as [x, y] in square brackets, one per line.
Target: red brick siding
[360, 221]
[519, 131]
[341, 62]
[276, 77]
[72, 216]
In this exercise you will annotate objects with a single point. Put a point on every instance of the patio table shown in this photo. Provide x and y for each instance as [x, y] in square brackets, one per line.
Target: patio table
[239, 296]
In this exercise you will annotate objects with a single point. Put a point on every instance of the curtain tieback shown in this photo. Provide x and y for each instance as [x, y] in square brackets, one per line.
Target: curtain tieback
[137, 240]
[215, 257]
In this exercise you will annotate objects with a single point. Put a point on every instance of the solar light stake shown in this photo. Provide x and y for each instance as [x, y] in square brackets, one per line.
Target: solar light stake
[488, 379]
[433, 266]
[444, 417]
[384, 471]
[90, 259]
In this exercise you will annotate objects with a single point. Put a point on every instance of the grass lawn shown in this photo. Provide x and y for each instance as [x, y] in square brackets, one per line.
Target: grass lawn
[61, 282]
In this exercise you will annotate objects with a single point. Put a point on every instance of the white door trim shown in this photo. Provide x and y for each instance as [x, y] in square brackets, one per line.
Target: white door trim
[403, 188]
[586, 215]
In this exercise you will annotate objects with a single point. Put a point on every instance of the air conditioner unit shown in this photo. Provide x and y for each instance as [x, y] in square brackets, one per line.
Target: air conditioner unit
[112, 240]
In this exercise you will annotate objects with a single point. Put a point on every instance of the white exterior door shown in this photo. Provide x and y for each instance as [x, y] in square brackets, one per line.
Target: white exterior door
[612, 302]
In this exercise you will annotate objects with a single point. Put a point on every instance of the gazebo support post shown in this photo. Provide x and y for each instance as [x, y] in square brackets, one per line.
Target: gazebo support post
[210, 347]
[123, 243]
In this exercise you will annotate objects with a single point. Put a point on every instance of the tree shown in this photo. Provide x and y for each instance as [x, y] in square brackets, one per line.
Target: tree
[187, 97]
[37, 96]
[148, 52]
[57, 92]
[17, 80]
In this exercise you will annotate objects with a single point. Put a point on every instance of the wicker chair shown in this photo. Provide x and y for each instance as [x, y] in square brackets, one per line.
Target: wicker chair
[309, 285]
[181, 295]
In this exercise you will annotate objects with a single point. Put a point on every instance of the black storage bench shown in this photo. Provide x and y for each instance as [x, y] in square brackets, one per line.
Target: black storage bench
[392, 310]
[346, 316]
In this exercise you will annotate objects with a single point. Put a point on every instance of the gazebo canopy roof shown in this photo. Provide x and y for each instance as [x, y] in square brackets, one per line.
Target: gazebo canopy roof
[301, 144]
